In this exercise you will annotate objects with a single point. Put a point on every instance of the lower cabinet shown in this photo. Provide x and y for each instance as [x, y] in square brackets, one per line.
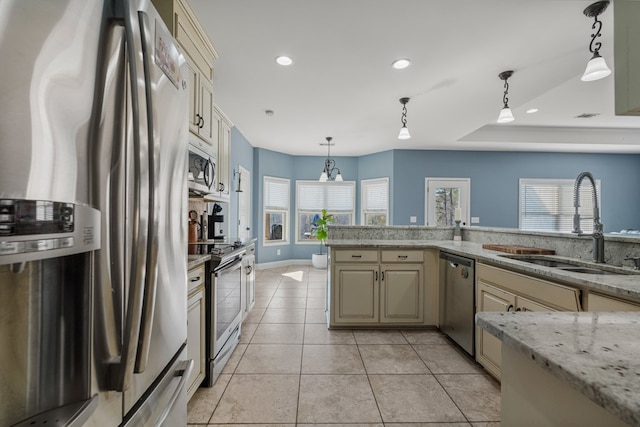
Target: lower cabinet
[503, 290]
[248, 284]
[196, 329]
[598, 302]
[368, 292]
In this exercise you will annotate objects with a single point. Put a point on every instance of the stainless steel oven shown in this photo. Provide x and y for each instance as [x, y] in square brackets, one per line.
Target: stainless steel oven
[224, 312]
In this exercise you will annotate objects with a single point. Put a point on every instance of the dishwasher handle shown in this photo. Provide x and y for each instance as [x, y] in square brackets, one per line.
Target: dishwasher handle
[457, 260]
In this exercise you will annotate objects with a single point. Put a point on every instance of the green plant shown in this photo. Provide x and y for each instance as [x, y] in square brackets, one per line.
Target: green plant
[321, 222]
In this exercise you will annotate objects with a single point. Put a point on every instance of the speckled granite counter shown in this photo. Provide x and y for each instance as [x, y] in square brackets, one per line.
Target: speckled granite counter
[597, 354]
[622, 285]
[196, 260]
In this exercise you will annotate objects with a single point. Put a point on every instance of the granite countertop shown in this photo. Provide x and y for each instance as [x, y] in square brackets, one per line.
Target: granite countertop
[623, 285]
[194, 261]
[598, 354]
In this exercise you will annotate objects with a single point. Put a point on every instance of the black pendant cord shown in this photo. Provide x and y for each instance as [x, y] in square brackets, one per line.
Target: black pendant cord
[505, 100]
[594, 46]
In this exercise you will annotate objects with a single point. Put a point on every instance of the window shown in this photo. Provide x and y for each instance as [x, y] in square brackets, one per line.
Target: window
[443, 196]
[338, 198]
[547, 205]
[375, 201]
[276, 210]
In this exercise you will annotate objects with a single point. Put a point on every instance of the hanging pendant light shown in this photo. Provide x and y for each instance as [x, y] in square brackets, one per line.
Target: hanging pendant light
[404, 132]
[506, 115]
[596, 67]
[330, 166]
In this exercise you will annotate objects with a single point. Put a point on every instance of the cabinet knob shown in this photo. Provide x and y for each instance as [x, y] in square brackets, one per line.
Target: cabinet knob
[510, 307]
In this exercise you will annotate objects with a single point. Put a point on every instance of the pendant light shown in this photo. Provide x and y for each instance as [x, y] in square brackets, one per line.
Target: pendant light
[404, 132]
[596, 67]
[505, 114]
[330, 166]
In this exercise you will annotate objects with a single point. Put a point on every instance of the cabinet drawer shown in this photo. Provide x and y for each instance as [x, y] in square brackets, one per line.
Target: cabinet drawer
[598, 302]
[355, 255]
[402, 255]
[195, 278]
[548, 293]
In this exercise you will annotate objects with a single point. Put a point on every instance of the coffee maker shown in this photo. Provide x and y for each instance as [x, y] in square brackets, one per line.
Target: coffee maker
[213, 219]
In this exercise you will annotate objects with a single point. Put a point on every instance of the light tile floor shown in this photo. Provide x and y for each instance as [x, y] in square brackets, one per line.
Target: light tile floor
[289, 369]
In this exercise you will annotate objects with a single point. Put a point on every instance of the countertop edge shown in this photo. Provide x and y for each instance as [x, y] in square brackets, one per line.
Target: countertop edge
[601, 393]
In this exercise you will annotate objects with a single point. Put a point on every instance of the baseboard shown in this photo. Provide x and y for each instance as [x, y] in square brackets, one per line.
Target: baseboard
[284, 263]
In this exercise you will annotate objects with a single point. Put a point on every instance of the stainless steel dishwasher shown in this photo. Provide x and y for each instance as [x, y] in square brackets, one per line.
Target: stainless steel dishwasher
[457, 299]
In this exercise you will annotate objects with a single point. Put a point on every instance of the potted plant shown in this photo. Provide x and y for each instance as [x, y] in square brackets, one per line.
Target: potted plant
[320, 224]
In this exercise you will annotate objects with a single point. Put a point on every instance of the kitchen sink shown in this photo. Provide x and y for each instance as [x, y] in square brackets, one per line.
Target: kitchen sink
[570, 265]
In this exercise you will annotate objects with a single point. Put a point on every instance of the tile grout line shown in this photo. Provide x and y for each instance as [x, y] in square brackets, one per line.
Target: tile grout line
[364, 366]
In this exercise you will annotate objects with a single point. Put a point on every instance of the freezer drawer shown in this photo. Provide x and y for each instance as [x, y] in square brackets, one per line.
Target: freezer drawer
[166, 404]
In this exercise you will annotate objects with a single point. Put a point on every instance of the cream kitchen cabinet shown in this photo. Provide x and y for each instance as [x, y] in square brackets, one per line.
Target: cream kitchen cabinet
[383, 287]
[222, 130]
[200, 54]
[599, 302]
[248, 281]
[503, 290]
[196, 328]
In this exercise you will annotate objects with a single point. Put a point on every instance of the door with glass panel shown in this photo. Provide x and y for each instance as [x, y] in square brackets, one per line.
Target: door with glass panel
[244, 203]
[443, 196]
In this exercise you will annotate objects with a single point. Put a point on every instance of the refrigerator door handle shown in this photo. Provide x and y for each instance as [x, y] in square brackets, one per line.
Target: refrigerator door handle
[184, 371]
[151, 282]
[140, 223]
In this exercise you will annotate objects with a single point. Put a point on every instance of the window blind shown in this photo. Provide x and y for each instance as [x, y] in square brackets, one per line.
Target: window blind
[276, 193]
[332, 196]
[375, 195]
[547, 205]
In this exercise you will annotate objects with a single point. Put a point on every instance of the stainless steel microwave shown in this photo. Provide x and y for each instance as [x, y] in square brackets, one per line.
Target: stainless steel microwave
[202, 171]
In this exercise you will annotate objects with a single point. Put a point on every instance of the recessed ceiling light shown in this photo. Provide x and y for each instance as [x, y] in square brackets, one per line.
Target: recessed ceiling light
[400, 64]
[284, 60]
[532, 110]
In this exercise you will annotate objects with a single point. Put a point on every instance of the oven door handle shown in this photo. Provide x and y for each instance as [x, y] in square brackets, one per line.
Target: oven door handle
[229, 265]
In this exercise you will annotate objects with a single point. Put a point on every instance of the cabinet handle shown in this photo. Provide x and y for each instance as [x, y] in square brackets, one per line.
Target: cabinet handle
[356, 256]
[382, 276]
[198, 118]
[519, 309]
[201, 123]
[220, 186]
[195, 279]
[509, 307]
[376, 279]
[402, 256]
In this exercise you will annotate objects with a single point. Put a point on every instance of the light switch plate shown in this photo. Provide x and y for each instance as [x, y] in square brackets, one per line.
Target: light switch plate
[475, 220]
[413, 219]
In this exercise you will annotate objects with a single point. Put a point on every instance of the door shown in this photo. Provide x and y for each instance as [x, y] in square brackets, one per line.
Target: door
[488, 347]
[357, 294]
[401, 294]
[244, 203]
[443, 196]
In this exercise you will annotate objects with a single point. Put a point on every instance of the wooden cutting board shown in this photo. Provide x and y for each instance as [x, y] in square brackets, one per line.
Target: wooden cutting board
[517, 249]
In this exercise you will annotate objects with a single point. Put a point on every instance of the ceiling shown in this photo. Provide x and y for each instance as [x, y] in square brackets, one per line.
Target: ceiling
[341, 83]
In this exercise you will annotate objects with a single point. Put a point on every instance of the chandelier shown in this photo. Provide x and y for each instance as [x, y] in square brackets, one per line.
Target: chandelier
[330, 166]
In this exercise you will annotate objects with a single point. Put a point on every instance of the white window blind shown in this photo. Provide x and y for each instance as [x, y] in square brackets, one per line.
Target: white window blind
[332, 196]
[375, 195]
[547, 205]
[276, 193]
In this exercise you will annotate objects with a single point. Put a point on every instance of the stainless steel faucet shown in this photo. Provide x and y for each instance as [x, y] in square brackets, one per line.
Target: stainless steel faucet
[598, 235]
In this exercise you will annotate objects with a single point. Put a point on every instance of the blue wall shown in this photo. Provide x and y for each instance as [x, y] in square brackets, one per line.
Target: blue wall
[494, 184]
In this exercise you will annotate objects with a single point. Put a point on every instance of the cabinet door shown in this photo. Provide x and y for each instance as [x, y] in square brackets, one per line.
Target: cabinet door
[196, 339]
[356, 294]
[224, 160]
[251, 284]
[488, 347]
[402, 291]
[206, 111]
[194, 97]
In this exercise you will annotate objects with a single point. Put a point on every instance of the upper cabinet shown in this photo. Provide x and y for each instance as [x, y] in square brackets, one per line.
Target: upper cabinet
[626, 14]
[222, 136]
[200, 54]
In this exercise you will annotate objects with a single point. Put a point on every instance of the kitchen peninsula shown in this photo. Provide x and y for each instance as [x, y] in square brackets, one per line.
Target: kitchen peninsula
[612, 338]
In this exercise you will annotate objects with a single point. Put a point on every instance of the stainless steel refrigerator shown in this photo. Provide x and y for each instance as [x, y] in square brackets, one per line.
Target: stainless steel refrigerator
[93, 208]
